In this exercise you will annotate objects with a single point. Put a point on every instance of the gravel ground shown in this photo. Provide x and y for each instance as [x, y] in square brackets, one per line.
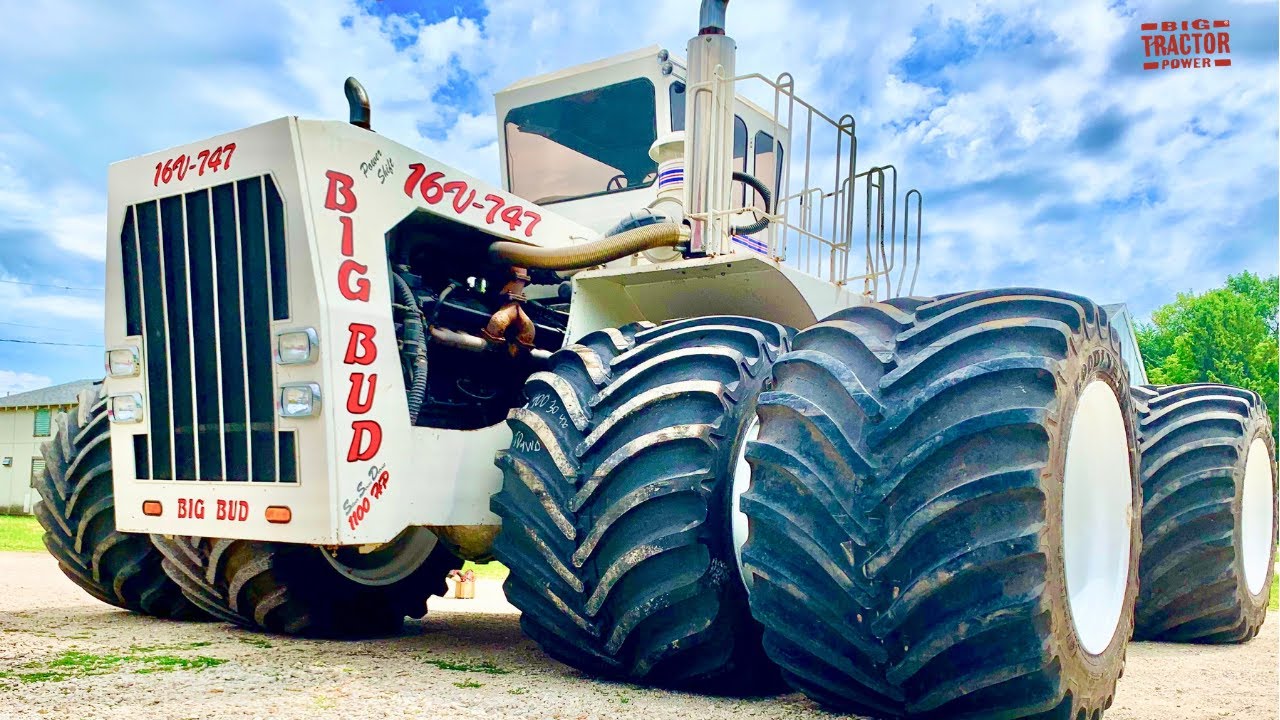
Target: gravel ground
[467, 659]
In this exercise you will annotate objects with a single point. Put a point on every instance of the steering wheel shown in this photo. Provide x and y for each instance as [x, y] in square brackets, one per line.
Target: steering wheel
[618, 181]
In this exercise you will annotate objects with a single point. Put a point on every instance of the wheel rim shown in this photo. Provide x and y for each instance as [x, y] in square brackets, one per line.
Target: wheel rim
[742, 481]
[1256, 515]
[385, 564]
[1097, 517]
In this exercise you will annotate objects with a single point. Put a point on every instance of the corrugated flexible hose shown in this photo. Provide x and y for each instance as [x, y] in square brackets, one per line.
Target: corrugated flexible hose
[590, 254]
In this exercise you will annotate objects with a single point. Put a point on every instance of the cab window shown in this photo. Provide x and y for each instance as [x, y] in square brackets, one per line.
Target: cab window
[768, 167]
[590, 143]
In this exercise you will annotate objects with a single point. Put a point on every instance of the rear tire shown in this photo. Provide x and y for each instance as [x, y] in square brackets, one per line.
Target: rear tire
[615, 503]
[294, 590]
[77, 511]
[923, 522]
[1208, 515]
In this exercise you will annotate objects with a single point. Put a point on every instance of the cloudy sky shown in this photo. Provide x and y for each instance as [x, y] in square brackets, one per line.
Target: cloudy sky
[1046, 155]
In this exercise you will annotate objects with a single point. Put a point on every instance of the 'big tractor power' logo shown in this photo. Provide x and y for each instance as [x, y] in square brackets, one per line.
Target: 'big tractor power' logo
[1186, 44]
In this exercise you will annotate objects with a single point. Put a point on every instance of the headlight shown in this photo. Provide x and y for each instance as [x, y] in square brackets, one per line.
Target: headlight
[125, 408]
[122, 362]
[299, 400]
[296, 347]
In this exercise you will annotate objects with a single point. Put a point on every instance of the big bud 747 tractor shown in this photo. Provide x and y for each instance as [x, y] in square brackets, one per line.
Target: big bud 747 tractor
[643, 376]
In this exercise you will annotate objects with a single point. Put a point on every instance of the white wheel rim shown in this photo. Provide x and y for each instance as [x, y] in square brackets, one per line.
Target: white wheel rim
[1256, 515]
[742, 481]
[1097, 517]
[386, 564]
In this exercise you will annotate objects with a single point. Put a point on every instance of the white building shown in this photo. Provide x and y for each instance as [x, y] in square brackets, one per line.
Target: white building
[26, 422]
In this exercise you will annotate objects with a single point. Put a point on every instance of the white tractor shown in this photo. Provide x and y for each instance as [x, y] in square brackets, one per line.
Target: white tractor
[672, 375]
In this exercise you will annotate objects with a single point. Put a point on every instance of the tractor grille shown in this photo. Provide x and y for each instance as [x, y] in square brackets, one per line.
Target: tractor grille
[204, 276]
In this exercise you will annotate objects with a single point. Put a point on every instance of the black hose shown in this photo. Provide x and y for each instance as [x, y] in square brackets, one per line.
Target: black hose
[415, 334]
[765, 194]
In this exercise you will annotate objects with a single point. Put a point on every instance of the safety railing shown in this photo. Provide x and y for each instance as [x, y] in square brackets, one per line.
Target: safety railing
[826, 210]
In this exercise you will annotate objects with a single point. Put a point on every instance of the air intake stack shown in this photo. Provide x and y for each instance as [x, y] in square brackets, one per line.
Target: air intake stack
[709, 119]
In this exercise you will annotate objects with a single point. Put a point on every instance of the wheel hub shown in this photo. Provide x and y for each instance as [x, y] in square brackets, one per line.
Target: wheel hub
[1097, 516]
[1257, 515]
[384, 564]
[741, 481]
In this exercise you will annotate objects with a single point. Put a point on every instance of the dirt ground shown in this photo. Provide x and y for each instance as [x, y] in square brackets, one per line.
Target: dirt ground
[65, 655]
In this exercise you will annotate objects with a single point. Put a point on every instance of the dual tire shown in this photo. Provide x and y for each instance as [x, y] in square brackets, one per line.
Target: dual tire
[1209, 513]
[306, 590]
[616, 498]
[77, 512]
[944, 508]
[275, 587]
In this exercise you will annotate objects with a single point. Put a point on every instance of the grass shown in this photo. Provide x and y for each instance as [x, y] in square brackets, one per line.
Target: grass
[73, 663]
[489, 571]
[20, 533]
[468, 684]
[486, 666]
[256, 642]
[1275, 594]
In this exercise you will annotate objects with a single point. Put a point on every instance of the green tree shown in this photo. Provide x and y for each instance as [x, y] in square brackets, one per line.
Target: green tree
[1228, 335]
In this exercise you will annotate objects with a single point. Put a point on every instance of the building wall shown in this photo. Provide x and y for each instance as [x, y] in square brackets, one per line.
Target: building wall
[17, 442]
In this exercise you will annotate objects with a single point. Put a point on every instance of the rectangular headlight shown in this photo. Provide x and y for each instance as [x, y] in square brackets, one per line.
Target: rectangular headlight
[296, 347]
[125, 408]
[122, 362]
[300, 400]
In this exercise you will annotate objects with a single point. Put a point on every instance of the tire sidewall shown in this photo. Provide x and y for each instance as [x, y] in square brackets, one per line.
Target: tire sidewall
[1095, 357]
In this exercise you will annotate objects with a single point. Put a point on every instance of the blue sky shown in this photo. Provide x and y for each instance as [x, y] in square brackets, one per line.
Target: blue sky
[1047, 156]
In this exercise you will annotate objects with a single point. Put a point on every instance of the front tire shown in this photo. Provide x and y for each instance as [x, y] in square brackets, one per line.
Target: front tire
[77, 511]
[295, 590]
[1208, 515]
[615, 503]
[934, 529]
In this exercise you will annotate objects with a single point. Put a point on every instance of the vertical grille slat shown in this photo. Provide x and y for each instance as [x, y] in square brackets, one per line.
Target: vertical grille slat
[276, 253]
[209, 280]
[288, 457]
[173, 229]
[129, 269]
[227, 262]
[141, 459]
[203, 327]
[257, 330]
[155, 346]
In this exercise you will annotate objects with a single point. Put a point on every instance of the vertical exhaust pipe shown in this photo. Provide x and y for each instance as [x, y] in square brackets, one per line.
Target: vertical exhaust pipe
[711, 19]
[357, 103]
[709, 129]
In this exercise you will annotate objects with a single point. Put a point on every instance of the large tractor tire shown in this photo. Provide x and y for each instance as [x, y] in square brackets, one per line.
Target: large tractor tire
[615, 503]
[943, 508]
[77, 511]
[307, 591]
[1208, 514]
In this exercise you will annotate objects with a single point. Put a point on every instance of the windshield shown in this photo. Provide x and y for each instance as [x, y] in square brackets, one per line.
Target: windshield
[590, 143]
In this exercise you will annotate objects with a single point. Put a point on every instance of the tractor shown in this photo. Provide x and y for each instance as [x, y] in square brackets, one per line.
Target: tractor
[673, 375]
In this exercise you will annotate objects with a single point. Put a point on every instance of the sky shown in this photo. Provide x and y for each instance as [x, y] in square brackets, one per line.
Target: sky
[1046, 155]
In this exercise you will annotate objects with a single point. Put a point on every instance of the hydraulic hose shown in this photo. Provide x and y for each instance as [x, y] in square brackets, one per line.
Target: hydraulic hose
[765, 194]
[415, 334]
[590, 254]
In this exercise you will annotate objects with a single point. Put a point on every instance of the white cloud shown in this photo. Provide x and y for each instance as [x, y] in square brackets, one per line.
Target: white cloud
[16, 382]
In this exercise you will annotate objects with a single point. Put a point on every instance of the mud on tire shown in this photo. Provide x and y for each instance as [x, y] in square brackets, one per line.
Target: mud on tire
[906, 508]
[77, 511]
[294, 589]
[1207, 561]
[615, 503]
